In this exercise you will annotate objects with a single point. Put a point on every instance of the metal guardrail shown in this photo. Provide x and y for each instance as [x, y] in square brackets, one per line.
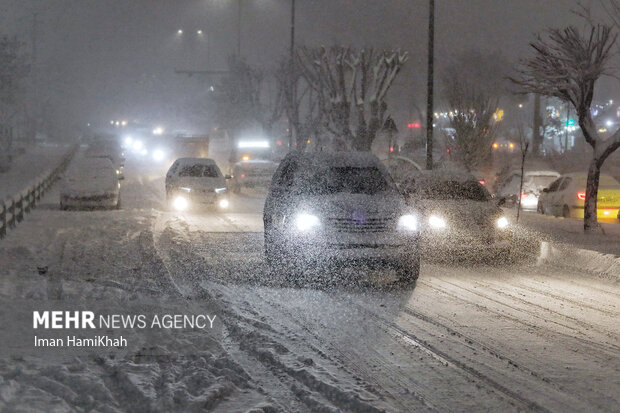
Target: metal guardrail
[13, 209]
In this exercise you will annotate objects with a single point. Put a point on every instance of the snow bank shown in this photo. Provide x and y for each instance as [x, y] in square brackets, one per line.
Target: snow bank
[564, 256]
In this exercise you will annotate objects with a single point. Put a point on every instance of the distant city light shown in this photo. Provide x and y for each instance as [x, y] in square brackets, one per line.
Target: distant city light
[158, 155]
[128, 140]
[609, 123]
[520, 105]
[158, 131]
[180, 31]
[199, 32]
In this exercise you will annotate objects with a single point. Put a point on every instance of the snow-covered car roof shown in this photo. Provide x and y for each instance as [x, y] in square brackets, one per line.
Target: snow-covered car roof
[320, 160]
[90, 176]
[535, 173]
[195, 161]
[446, 174]
[604, 179]
[87, 164]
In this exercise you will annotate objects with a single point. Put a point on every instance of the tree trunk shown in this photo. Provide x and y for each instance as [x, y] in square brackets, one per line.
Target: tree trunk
[590, 221]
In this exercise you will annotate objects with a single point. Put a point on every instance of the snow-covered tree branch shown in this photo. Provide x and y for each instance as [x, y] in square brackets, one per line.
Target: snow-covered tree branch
[354, 84]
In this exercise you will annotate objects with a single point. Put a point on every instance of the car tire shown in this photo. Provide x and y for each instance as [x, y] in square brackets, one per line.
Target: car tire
[409, 271]
[540, 209]
[566, 211]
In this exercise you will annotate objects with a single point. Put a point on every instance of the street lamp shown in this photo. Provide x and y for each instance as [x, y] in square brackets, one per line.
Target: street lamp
[180, 32]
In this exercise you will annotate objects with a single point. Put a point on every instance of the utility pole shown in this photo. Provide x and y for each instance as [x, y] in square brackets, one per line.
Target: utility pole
[239, 29]
[292, 83]
[429, 93]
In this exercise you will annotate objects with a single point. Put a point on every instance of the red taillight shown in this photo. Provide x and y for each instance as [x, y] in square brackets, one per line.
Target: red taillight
[482, 182]
[243, 175]
[581, 196]
[524, 195]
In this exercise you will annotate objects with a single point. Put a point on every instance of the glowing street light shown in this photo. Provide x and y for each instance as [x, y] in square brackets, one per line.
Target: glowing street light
[199, 32]
[179, 32]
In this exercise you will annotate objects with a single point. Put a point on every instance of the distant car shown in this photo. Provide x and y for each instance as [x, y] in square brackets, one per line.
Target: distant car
[566, 195]
[457, 213]
[533, 184]
[252, 174]
[338, 207]
[192, 182]
[399, 167]
[110, 150]
[90, 183]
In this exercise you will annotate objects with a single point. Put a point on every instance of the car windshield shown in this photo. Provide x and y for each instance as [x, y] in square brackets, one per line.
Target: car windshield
[207, 171]
[542, 180]
[451, 190]
[354, 180]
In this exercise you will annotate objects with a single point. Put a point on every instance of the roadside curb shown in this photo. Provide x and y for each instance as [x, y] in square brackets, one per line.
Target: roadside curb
[593, 262]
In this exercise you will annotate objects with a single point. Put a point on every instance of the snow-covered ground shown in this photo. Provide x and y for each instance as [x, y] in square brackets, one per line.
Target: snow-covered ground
[570, 231]
[466, 337]
[26, 167]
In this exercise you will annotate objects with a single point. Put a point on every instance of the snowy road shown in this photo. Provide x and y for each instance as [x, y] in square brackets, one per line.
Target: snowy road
[467, 337]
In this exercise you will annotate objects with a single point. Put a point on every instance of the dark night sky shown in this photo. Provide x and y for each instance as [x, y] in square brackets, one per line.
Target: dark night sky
[109, 59]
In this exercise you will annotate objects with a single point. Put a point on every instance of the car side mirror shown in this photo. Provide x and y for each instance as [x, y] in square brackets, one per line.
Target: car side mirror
[501, 201]
[227, 176]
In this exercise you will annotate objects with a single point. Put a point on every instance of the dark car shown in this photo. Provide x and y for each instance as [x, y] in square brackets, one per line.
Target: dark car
[338, 207]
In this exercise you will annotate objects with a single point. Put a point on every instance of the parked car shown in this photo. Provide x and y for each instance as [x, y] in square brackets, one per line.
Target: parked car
[110, 150]
[533, 184]
[90, 183]
[566, 195]
[457, 213]
[341, 208]
[252, 174]
[192, 182]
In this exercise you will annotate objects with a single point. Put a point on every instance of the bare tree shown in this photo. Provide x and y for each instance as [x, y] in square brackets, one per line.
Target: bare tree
[566, 64]
[351, 87]
[472, 111]
[302, 104]
[237, 103]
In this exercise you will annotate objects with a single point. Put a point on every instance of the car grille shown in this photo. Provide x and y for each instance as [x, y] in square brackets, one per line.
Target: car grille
[361, 225]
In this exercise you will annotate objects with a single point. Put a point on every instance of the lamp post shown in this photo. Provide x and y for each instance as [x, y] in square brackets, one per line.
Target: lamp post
[429, 102]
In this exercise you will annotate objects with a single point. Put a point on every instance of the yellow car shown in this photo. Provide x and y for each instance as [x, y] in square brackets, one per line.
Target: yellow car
[566, 195]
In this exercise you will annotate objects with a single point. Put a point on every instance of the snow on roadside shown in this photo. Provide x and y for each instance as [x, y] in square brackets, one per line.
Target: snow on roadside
[28, 166]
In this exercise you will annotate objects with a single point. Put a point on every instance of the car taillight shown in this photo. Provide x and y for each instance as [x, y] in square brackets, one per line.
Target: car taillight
[524, 195]
[482, 182]
[243, 175]
[581, 196]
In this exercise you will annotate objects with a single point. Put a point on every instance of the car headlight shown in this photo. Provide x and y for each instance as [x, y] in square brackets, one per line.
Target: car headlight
[158, 155]
[306, 222]
[436, 222]
[180, 203]
[223, 203]
[220, 190]
[502, 222]
[408, 223]
[183, 188]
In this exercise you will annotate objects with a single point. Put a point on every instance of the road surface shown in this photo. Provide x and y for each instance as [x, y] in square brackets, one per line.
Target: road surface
[466, 337]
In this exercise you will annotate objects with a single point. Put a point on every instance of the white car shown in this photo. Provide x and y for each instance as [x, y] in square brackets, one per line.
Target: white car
[566, 195]
[341, 208]
[252, 174]
[192, 182]
[90, 183]
[110, 150]
[533, 184]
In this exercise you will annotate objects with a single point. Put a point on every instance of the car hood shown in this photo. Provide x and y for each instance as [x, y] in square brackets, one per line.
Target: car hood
[199, 182]
[384, 204]
[461, 212]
